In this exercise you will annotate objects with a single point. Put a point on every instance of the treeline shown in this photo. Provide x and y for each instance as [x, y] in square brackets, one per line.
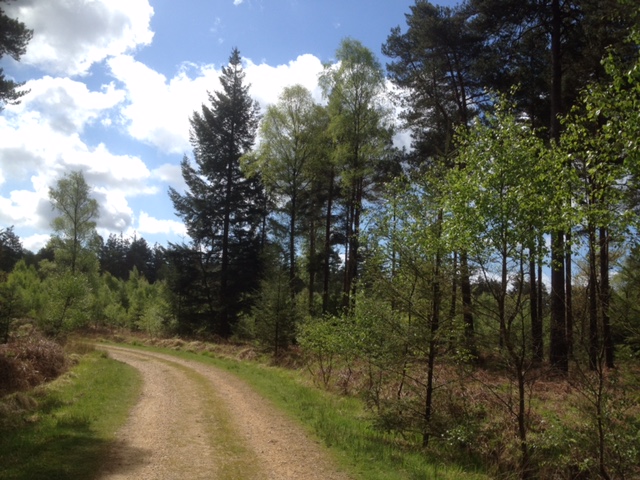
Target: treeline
[514, 170]
[79, 280]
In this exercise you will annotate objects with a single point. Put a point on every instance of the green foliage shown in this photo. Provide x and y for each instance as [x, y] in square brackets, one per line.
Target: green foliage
[156, 318]
[442, 93]
[276, 313]
[321, 340]
[360, 130]
[119, 255]
[499, 198]
[11, 306]
[135, 304]
[14, 37]
[291, 132]
[607, 442]
[67, 303]
[28, 284]
[76, 240]
[11, 250]
[601, 142]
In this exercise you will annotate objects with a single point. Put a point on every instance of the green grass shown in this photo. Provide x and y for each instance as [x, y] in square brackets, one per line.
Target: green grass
[68, 433]
[339, 422]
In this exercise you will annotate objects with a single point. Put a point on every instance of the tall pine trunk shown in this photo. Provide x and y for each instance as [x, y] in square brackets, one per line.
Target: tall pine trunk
[605, 297]
[558, 351]
[327, 244]
[569, 294]
[224, 327]
[292, 247]
[312, 258]
[353, 244]
[434, 320]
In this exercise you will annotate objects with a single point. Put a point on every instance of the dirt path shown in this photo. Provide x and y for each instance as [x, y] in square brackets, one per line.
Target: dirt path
[194, 421]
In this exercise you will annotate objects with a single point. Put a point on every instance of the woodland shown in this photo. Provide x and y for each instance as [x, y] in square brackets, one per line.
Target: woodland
[480, 290]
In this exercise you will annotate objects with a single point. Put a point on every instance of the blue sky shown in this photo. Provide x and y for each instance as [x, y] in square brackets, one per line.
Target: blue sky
[113, 83]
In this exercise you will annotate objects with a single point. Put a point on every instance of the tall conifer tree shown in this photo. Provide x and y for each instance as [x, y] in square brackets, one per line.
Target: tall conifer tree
[222, 208]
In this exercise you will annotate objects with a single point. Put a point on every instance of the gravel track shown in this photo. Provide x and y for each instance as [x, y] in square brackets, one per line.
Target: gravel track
[194, 421]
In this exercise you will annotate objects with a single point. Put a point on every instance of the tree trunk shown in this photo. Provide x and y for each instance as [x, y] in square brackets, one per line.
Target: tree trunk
[224, 327]
[327, 246]
[465, 288]
[355, 249]
[431, 355]
[312, 258]
[346, 277]
[292, 247]
[353, 245]
[568, 280]
[605, 297]
[539, 298]
[525, 457]
[594, 337]
[454, 287]
[556, 70]
[558, 354]
[536, 319]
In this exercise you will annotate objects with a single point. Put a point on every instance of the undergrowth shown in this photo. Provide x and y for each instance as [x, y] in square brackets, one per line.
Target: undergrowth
[28, 360]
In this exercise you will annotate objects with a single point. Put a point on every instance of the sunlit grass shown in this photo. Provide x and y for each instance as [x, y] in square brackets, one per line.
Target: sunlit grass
[68, 430]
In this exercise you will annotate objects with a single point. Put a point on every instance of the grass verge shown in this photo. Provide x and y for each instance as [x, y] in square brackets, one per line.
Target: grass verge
[339, 422]
[70, 423]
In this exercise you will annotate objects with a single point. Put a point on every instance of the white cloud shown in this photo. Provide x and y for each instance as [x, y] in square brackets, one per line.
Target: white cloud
[403, 139]
[158, 109]
[42, 141]
[151, 225]
[35, 242]
[71, 35]
[66, 105]
[237, 2]
[267, 82]
[25, 208]
[125, 173]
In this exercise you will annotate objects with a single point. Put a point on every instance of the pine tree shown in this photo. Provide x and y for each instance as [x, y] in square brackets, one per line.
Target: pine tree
[14, 36]
[223, 209]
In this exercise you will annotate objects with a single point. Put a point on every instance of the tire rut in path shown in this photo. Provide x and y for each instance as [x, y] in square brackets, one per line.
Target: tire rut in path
[185, 409]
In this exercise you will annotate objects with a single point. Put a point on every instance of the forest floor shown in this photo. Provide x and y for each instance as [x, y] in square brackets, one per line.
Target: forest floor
[196, 421]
